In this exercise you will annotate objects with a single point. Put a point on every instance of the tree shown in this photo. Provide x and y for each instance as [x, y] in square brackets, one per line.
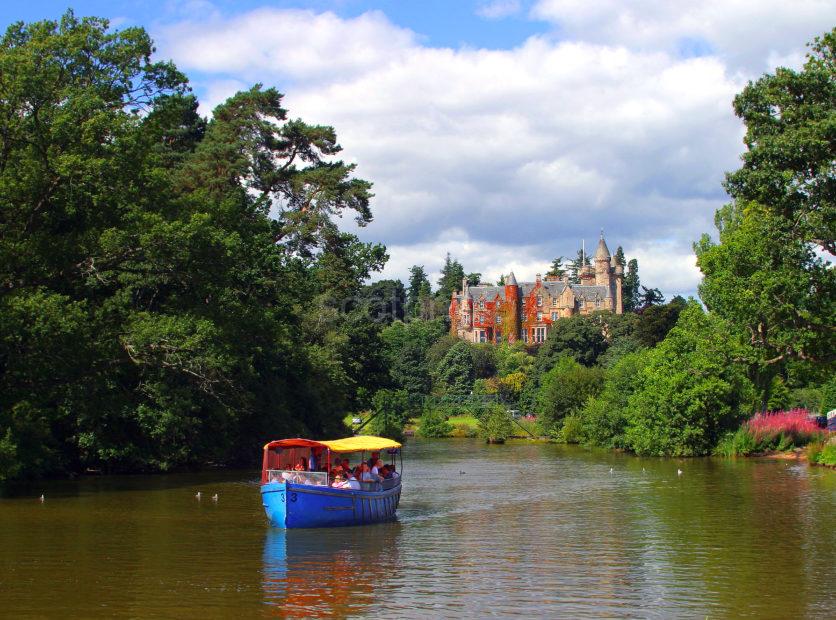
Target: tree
[630, 287]
[185, 270]
[495, 425]
[650, 297]
[434, 424]
[419, 288]
[557, 269]
[603, 417]
[409, 369]
[563, 391]
[777, 293]
[451, 278]
[788, 164]
[690, 392]
[391, 410]
[580, 337]
[384, 301]
[656, 321]
[455, 373]
[619, 257]
[473, 279]
[575, 266]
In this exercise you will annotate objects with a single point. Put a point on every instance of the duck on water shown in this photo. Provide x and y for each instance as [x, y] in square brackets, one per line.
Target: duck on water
[307, 483]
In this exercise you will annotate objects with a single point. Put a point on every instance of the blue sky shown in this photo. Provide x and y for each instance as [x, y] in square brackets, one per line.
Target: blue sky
[502, 131]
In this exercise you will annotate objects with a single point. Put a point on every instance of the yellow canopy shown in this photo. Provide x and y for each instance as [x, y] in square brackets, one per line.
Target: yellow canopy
[368, 443]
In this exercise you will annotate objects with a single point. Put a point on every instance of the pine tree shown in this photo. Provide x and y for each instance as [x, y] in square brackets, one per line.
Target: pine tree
[575, 266]
[558, 270]
[630, 288]
[418, 285]
[452, 275]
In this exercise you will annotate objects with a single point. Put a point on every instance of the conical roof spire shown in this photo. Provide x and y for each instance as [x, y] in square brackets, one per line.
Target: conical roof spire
[603, 252]
[511, 281]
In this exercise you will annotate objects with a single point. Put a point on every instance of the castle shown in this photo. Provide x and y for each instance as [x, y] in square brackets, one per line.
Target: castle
[527, 311]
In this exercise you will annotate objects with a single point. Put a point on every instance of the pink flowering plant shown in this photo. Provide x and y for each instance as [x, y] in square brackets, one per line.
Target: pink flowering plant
[775, 430]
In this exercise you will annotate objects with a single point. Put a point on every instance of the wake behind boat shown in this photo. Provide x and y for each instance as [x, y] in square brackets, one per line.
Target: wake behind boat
[307, 483]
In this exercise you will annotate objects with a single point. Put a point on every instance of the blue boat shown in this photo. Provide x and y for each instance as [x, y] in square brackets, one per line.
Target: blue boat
[302, 487]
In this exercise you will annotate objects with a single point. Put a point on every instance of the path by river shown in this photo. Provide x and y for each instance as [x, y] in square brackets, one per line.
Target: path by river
[522, 529]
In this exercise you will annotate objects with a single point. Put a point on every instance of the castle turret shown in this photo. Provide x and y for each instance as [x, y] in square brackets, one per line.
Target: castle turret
[466, 308]
[602, 264]
[511, 314]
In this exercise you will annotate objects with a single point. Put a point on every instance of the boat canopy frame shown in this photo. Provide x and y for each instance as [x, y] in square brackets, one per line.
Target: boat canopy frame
[359, 443]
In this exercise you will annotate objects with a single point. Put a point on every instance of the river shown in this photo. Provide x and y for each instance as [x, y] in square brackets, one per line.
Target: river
[521, 529]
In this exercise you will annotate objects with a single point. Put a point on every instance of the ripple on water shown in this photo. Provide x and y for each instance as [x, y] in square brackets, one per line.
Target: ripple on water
[531, 529]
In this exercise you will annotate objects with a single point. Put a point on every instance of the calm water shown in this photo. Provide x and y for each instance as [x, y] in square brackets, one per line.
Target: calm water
[531, 529]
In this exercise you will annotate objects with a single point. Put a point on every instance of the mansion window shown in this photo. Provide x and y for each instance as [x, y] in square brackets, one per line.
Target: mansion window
[597, 303]
[499, 318]
[554, 316]
[539, 316]
[481, 303]
[482, 337]
[539, 334]
[539, 302]
[525, 336]
[481, 318]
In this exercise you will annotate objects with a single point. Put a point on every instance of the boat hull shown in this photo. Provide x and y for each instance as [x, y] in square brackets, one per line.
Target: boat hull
[290, 505]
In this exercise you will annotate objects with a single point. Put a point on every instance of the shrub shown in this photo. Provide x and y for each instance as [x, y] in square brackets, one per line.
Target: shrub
[433, 423]
[603, 415]
[463, 430]
[739, 443]
[564, 390]
[782, 430]
[572, 431]
[827, 456]
[455, 371]
[495, 425]
[511, 386]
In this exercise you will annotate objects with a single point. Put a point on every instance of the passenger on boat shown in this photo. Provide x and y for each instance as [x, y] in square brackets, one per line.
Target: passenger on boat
[374, 459]
[301, 465]
[366, 474]
[346, 467]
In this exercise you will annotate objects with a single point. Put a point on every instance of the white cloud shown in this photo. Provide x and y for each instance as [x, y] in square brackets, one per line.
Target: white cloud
[746, 33]
[498, 9]
[507, 158]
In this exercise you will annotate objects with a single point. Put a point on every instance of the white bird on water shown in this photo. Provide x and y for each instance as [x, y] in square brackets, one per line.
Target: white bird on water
[610, 469]
[197, 496]
[678, 472]
[215, 497]
[42, 498]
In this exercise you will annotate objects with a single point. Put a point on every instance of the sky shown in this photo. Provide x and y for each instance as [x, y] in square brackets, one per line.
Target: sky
[506, 132]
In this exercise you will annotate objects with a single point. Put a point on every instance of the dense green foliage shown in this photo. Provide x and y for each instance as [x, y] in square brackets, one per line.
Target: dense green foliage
[495, 425]
[433, 423]
[391, 410]
[170, 287]
[564, 390]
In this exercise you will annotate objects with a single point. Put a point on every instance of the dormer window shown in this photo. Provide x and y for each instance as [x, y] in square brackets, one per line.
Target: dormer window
[539, 302]
[482, 304]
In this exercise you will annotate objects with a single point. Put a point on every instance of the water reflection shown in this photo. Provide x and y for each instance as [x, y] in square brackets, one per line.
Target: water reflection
[328, 572]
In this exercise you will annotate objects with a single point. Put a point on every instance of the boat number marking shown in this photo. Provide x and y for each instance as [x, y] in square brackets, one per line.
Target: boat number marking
[282, 495]
[293, 497]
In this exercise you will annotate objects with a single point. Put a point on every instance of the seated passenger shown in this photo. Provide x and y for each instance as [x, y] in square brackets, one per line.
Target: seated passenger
[366, 474]
[375, 457]
[351, 483]
[301, 465]
[376, 469]
[346, 467]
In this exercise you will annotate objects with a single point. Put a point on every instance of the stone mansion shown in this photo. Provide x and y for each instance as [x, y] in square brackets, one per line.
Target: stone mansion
[527, 311]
